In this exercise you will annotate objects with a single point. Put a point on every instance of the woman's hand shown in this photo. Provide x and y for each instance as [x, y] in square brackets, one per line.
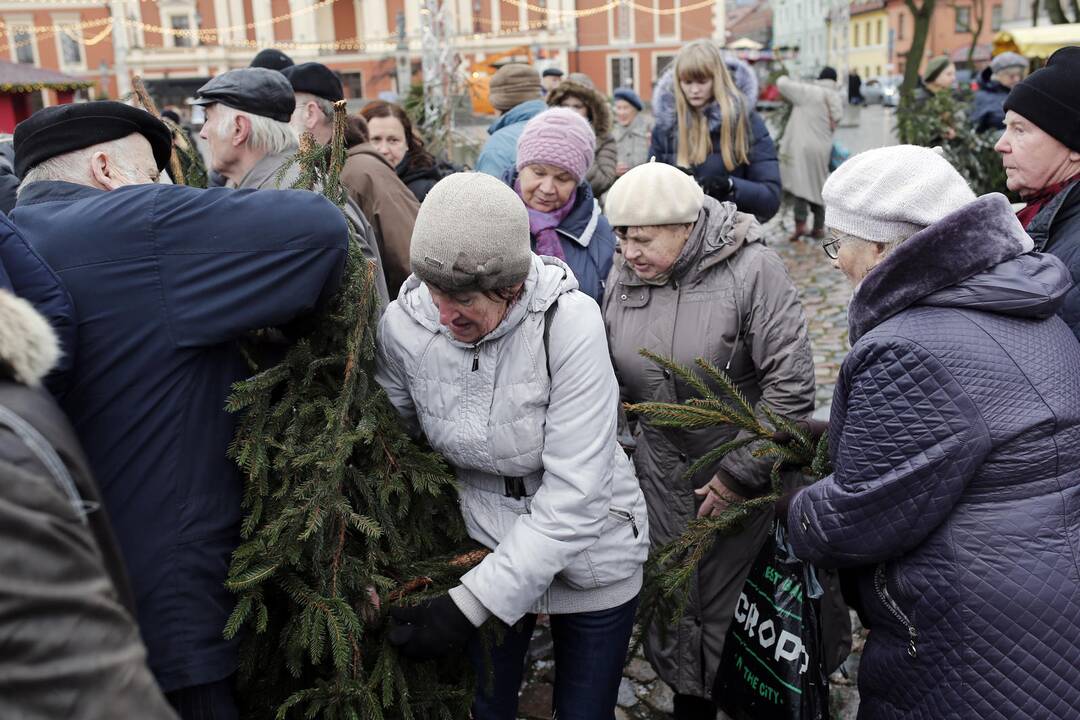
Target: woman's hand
[621, 168]
[718, 497]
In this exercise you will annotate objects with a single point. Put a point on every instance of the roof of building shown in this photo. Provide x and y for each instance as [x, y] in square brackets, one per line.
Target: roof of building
[859, 8]
[20, 78]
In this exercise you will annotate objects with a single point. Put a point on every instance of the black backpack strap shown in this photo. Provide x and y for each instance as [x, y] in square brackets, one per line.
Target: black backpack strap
[549, 316]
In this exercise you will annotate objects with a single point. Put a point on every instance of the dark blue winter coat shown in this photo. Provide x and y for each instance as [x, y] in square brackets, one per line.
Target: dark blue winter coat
[987, 111]
[1056, 230]
[163, 280]
[955, 496]
[587, 240]
[756, 184]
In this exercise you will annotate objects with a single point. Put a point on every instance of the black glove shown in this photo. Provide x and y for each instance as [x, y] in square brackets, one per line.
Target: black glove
[783, 504]
[433, 629]
[718, 187]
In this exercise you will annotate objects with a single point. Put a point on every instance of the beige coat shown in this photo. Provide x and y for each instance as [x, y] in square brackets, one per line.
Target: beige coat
[735, 305]
[806, 145]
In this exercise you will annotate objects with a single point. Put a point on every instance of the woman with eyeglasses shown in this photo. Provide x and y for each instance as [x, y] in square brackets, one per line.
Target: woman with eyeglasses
[695, 280]
[954, 501]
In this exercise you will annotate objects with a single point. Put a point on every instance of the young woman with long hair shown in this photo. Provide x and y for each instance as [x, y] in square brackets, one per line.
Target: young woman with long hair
[706, 125]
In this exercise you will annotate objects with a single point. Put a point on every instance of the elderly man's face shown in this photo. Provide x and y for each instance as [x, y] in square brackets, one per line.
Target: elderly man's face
[1033, 159]
[221, 140]
[1009, 77]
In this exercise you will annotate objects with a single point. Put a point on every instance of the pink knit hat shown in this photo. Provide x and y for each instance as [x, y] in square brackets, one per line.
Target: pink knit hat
[558, 137]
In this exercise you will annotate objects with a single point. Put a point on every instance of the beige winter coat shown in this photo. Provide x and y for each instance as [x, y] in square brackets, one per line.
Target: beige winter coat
[806, 146]
[734, 305]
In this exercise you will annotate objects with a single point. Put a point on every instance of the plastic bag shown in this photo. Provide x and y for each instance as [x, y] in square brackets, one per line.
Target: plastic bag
[772, 668]
[838, 155]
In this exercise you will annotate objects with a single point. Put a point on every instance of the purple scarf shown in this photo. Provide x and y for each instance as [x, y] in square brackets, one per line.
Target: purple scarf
[542, 226]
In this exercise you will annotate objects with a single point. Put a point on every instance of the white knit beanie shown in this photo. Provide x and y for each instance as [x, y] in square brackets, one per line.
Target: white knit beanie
[653, 194]
[472, 233]
[891, 193]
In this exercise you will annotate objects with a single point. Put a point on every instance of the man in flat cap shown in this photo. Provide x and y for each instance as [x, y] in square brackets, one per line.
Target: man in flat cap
[163, 279]
[515, 92]
[247, 129]
[995, 82]
[386, 202]
[1041, 154]
[550, 79]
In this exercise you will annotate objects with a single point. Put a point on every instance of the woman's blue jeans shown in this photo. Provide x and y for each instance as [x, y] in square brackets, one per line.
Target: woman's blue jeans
[590, 651]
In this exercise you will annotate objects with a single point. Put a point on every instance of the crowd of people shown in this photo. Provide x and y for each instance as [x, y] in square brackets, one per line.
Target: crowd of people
[515, 303]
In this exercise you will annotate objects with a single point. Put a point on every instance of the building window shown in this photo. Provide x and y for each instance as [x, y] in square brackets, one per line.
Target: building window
[995, 18]
[661, 64]
[69, 41]
[855, 35]
[963, 19]
[622, 71]
[880, 24]
[181, 23]
[354, 84]
[900, 26]
[24, 45]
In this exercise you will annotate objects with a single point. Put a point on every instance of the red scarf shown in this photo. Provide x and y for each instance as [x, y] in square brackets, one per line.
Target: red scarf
[1036, 202]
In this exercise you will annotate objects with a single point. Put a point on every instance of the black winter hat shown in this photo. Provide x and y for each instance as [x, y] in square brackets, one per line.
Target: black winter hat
[317, 79]
[62, 129]
[272, 59]
[258, 91]
[1050, 97]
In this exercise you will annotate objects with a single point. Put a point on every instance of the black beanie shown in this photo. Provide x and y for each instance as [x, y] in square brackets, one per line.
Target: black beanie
[1050, 97]
[827, 73]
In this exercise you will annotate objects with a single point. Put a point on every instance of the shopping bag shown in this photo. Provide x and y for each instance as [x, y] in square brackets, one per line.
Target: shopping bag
[838, 155]
[771, 667]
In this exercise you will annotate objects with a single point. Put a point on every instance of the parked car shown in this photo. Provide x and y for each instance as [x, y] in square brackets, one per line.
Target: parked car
[882, 91]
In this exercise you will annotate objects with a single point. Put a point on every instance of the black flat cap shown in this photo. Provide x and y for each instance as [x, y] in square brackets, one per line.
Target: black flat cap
[317, 79]
[62, 129]
[255, 90]
[272, 59]
[552, 72]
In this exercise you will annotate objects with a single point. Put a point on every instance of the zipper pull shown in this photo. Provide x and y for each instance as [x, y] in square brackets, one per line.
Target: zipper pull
[633, 524]
[913, 635]
[476, 358]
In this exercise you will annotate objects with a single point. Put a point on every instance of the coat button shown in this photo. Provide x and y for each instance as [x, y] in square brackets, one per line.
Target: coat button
[623, 296]
[667, 374]
[682, 457]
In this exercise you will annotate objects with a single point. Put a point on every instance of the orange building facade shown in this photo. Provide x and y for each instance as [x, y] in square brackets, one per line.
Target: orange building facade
[176, 45]
[951, 31]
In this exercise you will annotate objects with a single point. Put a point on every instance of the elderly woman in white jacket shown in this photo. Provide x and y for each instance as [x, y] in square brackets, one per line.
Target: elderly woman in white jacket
[494, 355]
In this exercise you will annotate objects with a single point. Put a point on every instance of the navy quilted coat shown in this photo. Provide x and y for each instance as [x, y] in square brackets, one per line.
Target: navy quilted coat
[955, 438]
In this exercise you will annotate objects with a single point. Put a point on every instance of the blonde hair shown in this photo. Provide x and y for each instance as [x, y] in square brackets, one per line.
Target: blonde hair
[700, 61]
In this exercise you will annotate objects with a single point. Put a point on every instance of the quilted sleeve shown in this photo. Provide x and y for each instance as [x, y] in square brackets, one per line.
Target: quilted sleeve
[911, 441]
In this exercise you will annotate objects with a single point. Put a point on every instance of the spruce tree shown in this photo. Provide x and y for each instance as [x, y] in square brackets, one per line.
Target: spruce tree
[344, 514]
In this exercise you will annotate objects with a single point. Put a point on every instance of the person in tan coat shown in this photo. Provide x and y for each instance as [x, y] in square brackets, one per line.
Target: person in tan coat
[695, 280]
[806, 147]
[372, 184]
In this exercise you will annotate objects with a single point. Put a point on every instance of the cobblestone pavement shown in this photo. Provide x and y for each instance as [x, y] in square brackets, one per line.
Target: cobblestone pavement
[825, 293]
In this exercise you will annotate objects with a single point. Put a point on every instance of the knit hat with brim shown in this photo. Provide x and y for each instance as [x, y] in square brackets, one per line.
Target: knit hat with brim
[934, 68]
[890, 193]
[653, 194]
[472, 233]
[558, 137]
[1050, 97]
[512, 85]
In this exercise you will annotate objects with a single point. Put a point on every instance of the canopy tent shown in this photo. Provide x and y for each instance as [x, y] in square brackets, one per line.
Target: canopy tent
[20, 91]
[745, 43]
[1037, 42]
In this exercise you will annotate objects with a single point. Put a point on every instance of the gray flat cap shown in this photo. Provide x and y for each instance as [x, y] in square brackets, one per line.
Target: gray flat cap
[1007, 60]
[255, 90]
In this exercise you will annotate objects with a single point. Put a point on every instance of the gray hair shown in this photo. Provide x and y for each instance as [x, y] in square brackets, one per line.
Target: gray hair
[325, 106]
[888, 247]
[271, 136]
[74, 166]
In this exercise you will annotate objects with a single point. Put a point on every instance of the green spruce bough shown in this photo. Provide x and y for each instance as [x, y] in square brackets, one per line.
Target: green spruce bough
[344, 516]
[671, 568]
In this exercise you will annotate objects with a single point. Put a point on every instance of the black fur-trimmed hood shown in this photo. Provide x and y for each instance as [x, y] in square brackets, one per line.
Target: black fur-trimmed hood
[977, 258]
[28, 346]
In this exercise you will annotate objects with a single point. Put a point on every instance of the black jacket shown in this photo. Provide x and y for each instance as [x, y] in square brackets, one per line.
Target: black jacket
[420, 180]
[1056, 230]
[69, 645]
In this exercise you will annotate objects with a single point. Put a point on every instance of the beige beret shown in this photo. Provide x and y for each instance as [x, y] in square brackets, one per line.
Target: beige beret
[653, 194]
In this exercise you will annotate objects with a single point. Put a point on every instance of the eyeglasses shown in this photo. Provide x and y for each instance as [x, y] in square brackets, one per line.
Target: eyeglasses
[831, 246]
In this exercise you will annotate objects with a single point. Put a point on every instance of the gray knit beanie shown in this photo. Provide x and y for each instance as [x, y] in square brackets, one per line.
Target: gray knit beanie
[472, 233]
[891, 193]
